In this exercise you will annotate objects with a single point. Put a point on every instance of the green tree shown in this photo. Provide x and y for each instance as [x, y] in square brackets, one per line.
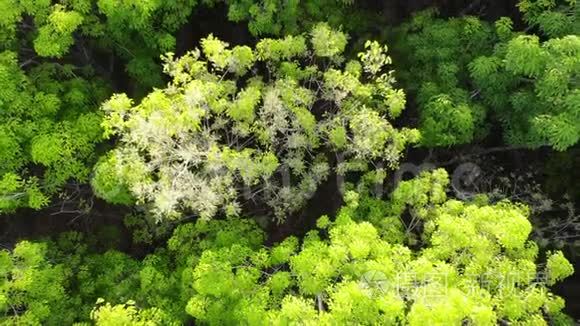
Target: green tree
[556, 18]
[32, 290]
[434, 56]
[275, 17]
[137, 32]
[221, 132]
[105, 314]
[417, 258]
[533, 89]
[48, 130]
[468, 74]
[473, 262]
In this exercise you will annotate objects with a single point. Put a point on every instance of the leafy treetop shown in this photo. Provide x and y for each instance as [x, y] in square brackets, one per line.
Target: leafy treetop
[466, 262]
[253, 124]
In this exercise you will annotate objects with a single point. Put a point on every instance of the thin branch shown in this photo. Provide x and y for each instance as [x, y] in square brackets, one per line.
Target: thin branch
[28, 62]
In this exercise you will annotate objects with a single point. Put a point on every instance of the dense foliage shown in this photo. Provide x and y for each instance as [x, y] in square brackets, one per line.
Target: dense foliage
[438, 52]
[296, 117]
[220, 129]
[474, 264]
[468, 75]
[138, 32]
[49, 130]
[533, 88]
[48, 106]
[459, 261]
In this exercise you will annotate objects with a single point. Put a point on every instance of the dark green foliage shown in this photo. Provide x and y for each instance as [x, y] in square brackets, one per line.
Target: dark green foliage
[276, 17]
[435, 53]
[468, 74]
[555, 18]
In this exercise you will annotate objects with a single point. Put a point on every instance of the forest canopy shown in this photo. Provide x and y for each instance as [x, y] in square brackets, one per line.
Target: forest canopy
[216, 129]
[268, 162]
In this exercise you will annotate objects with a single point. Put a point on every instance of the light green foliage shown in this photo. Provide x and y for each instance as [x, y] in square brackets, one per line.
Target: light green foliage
[166, 277]
[47, 121]
[135, 31]
[446, 122]
[215, 137]
[111, 275]
[326, 42]
[435, 54]
[162, 284]
[58, 283]
[475, 263]
[35, 128]
[189, 240]
[128, 314]
[138, 32]
[18, 193]
[90, 276]
[281, 49]
[533, 87]
[425, 190]
[32, 290]
[236, 60]
[240, 129]
[459, 262]
[49, 129]
[106, 184]
[558, 268]
[55, 38]
[375, 57]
